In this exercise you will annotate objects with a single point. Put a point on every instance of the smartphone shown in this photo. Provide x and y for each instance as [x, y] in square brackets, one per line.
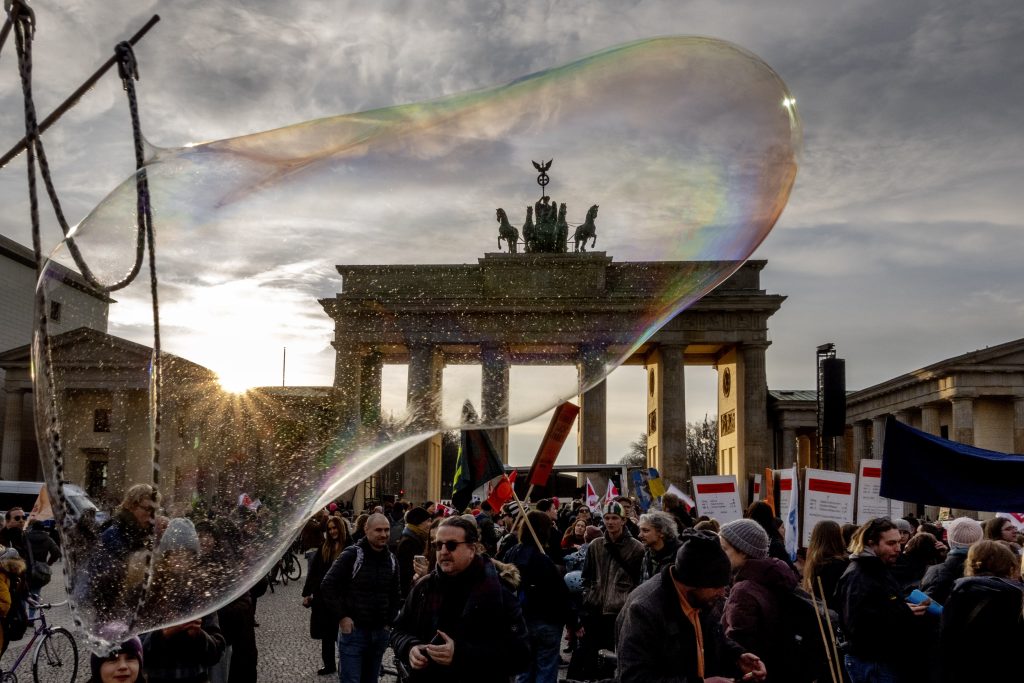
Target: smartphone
[438, 640]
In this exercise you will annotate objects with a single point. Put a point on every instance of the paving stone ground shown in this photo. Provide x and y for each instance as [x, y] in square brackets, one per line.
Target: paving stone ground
[286, 652]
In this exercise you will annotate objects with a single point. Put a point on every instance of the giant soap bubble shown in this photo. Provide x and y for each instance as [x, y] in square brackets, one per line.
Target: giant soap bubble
[382, 228]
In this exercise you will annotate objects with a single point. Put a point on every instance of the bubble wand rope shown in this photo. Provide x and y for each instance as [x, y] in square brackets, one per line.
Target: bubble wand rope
[23, 22]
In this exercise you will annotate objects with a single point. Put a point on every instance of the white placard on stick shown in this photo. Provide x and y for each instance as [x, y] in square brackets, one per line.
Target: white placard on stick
[785, 490]
[756, 493]
[870, 503]
[718, 497]
[827, 495]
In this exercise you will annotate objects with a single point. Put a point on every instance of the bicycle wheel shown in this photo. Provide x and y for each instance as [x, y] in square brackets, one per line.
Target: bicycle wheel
[56, 658]
[292, 566]
[281, 573]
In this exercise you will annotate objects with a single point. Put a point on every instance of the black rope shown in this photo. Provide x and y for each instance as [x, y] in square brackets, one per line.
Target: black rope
[23, 22]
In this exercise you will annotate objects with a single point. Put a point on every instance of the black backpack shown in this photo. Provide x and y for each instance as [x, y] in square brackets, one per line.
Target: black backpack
[808, 649]
[16, 621]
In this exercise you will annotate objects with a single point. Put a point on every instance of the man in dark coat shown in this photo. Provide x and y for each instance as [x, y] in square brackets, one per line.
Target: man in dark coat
[880, 626]
[413, 542]
[667, 630]
[938, 581]
[460, 623]
[362, 590]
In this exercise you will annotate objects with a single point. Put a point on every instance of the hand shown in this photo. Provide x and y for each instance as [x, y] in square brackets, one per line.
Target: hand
[442, 654]
[921, 608]
[719, 679]
[752, 667]
[307, 601]
[420, 567]
[346, 625]
[417, 660]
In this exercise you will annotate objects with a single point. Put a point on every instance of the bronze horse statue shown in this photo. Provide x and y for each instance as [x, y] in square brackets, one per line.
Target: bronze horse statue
[586, 231]
[507, 232]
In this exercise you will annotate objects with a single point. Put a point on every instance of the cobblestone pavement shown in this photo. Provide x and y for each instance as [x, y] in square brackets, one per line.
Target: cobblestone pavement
[286, 652]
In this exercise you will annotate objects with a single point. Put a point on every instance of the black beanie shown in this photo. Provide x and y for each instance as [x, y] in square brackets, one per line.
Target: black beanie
[701, 562]
[416, 515]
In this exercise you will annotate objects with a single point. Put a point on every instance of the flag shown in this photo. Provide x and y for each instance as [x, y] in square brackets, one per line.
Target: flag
[550, 446]
[790, 520]
[640, 486]
[678, 493]
[502, 491]
[654, 483]
[477, 464]
[445, 510]
[611, 492]
[42, 510]
[769, 488]
[1017, 518]
[592, 500]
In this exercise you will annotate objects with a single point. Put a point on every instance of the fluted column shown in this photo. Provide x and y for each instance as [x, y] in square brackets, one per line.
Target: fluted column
[348, 370]
[962, 429]
[877, 436]
[754, 451]
[1018, 424]
[495, 375]
[593, 438]
[370, 378]
[421, 475]
[860, 440]
[666, 413]
[10, 461]
[788, 447]
[930, 419]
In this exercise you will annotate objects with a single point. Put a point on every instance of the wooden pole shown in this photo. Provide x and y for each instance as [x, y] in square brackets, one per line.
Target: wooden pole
[828, 620]
[824, 638]
[73, 98]
[522, 511]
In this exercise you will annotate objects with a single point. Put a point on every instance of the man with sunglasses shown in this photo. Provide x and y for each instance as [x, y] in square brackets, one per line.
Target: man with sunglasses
[13, 533]
[461, 622]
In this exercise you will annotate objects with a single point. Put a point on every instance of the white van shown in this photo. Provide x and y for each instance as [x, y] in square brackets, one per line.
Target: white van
[24, 494]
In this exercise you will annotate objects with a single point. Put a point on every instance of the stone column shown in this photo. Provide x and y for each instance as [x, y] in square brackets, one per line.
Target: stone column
[10, 461]
[666, 414]
[930, 419]
[348, 368]
[877, 436]
[860, 440]
[495, 373]
[1018, 424]
[904, 417]
[788, 447]
[370, 378]
[962, 429]
[422, 466]
[592, 434]
[755, 453]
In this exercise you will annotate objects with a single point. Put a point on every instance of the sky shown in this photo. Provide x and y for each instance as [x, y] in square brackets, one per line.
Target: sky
[900, 242]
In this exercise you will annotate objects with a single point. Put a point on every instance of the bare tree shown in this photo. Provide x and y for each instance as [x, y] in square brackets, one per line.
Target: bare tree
[702, 446]
[637, 454]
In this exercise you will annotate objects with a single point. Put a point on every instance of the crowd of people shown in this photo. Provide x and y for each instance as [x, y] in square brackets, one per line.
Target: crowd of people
[615, 593]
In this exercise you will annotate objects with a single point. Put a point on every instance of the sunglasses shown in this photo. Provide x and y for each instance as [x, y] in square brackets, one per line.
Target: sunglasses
[18, 518]
[450, 546]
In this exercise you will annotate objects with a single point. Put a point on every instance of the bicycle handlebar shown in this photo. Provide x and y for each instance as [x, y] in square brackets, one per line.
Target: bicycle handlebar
[45, 605]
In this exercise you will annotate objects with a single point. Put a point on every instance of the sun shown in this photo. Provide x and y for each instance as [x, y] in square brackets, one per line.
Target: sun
[235, 382]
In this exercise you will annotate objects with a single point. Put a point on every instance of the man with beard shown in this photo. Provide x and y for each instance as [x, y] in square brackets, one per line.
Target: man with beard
[666, 630]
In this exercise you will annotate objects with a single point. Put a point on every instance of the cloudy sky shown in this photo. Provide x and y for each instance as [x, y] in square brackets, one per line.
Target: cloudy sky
[901, 240]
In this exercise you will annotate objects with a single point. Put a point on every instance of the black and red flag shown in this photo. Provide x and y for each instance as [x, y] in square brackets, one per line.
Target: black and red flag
[477, 464]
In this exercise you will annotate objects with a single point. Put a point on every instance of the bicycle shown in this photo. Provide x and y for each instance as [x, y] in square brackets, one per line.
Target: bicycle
[55, 658]
[286, 568]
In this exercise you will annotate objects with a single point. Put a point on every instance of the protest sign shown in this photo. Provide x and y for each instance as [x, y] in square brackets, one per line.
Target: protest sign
[718, 497]
[870, 503]
[827, 495]
[785, 490]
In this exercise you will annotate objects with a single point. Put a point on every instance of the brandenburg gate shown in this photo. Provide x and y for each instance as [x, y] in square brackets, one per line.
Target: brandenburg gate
[549, 308]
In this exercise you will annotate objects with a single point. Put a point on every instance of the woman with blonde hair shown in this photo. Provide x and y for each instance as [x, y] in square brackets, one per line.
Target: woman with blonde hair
[983, 615]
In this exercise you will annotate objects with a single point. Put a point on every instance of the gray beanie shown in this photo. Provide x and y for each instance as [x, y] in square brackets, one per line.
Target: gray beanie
[746, 536]
[180, 535]
[904, 525]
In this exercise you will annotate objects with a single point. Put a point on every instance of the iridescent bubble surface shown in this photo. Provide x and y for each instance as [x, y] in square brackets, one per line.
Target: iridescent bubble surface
[379, 232]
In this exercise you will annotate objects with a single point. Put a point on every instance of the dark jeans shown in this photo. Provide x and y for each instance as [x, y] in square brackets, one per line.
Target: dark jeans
[545, 640]
[864, 671]
[360, 654]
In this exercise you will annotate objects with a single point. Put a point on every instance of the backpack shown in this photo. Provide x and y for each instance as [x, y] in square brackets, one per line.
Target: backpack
[808, 649]
[357, 564]
[16, 621]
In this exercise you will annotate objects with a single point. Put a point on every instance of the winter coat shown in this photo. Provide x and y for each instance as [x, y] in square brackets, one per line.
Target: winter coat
[322, 623]
[606, 581]
[8, 569]
[879, 625]
[238, 624]
[371, 596]
[413, 542]
[181, 657]
[656, 643]
[544, 595]
[478, 611]
[982, 630]
[938, 580]
[756, 616]
[654, 562]
[830, 572]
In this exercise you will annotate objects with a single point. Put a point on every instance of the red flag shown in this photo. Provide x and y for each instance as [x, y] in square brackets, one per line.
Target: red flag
[551, 445]
[502, 492]
[769, 488]
[592, 499]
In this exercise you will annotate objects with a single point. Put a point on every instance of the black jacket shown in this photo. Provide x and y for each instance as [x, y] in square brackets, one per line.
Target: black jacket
[322, 621]
[656, 643]
[368, 593]
[478, 612]
[982, 630]
[938, 580]
[878, 624]
[541, 585]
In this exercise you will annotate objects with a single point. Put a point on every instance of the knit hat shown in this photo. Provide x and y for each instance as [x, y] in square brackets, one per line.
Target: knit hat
[180, 535]
[614, 507]
[131, 647]
[963, 532]
[416, 515]
[701, 562]
[904, 525]
[591, 533]
[747, 536]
